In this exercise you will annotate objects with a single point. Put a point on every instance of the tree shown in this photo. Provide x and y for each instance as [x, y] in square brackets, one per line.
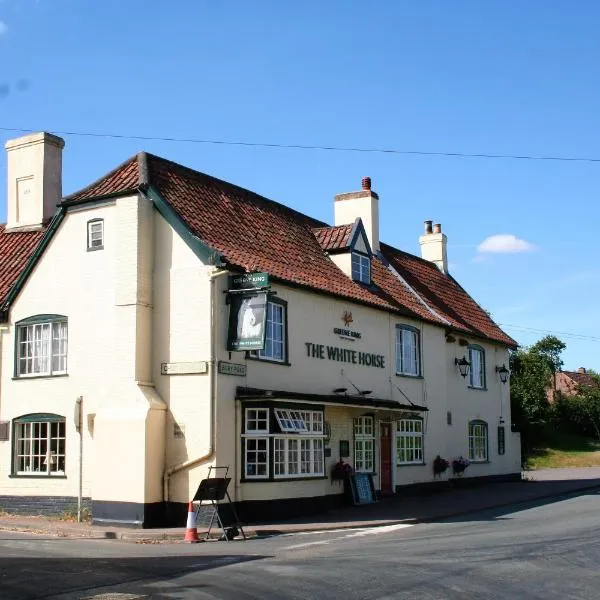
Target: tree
[532, 372]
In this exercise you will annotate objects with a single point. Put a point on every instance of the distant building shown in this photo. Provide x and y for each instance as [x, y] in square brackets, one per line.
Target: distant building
[125, 300]
[568, 383]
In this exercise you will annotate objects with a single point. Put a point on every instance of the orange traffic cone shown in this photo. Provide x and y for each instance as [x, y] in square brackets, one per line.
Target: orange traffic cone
[191, 532]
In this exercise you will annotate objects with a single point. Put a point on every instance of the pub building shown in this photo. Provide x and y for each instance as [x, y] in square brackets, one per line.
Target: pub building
[187, 323]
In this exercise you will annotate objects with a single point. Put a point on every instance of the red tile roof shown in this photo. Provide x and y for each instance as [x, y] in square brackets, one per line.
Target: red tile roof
[16, 247]
[125, 178]
[584, 379]
[257, 234]
[334, 238]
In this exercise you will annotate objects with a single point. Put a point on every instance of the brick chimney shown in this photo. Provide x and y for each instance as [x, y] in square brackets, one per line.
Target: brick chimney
[434, 246]
[363, 204]
[34, 179]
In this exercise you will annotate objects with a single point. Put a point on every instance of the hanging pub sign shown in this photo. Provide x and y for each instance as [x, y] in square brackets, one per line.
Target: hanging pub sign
[248, 281]
[247, 320]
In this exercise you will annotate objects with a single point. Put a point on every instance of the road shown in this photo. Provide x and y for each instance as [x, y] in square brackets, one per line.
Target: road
[543, 551]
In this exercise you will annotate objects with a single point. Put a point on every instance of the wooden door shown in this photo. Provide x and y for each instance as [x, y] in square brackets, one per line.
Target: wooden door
[385, 461]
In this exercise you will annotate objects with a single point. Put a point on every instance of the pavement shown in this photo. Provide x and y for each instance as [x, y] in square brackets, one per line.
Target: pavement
[541, 486]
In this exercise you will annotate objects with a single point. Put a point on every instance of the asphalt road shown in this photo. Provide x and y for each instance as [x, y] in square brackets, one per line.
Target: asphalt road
[545, 551]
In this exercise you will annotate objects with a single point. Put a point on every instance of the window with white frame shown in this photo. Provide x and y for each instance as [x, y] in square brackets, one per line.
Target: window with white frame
[409, 442]
[293, 437]
[361, 268]
[275, 333]
[95, 234]
[364, 444]
[39, 445]
[407, 351]
[478, 441]
[41, 346]
[256, 443]
[477, 370]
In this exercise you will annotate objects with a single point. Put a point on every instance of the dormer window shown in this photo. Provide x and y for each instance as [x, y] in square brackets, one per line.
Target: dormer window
[361, 268]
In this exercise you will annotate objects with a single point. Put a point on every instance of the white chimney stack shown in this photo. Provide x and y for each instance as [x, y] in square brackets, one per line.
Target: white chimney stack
[434, 246]
[363, 204]
[34, 179]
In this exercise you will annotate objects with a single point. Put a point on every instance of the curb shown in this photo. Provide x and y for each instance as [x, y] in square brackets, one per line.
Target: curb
[146, 536]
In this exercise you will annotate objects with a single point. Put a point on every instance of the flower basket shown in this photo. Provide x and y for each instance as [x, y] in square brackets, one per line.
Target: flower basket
[459, 465]
[440, 465]
[341, 470]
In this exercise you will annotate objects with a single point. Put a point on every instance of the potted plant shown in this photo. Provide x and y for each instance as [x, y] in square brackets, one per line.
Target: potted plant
[341, 470]
[459, 465]
[440, 465]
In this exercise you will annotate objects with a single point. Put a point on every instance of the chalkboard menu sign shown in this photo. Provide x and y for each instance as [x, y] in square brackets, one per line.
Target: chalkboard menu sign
[363, 490]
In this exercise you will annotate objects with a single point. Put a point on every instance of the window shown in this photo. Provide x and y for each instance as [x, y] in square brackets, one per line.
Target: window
[361, 268]
[478, 441]
[409, 442]
[407, 351]
[39, 445]
[501, 440]
[298, 457]
[290, 420]
[95, 234]
[364, 445]
[275, 334]
[41, 346]
[295, 438]
[477, 371]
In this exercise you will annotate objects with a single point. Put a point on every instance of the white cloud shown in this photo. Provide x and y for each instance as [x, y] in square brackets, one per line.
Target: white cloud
[504, 243]
[3, 27]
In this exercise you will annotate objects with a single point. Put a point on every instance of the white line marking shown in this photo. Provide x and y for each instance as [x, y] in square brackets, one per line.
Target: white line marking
[378, 530]
[306, 545]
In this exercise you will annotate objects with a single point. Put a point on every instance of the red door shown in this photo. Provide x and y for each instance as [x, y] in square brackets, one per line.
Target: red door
[385, 452]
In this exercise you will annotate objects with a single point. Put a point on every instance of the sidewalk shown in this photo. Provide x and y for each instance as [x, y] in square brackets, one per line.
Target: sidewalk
[541, 486]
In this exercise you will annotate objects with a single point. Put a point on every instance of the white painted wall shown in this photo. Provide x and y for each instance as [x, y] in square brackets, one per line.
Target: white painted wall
[146, 299]
[79, 284]
[311, 318]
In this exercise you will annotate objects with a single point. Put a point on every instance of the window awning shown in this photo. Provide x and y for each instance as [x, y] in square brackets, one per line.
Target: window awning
[247, 393]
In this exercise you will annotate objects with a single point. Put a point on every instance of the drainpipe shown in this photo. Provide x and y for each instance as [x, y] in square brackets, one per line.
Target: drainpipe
[188, 464]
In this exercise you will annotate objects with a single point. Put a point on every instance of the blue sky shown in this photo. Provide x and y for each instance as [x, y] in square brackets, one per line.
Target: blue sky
[511, 77]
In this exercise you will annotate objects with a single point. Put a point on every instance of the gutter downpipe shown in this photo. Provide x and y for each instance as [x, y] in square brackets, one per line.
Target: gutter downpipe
[188, 464]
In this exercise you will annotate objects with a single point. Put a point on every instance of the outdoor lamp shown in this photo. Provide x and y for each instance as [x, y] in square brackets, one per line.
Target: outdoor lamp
[463, 366]
[503, 373]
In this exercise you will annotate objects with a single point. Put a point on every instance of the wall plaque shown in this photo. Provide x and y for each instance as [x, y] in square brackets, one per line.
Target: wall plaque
[199, 367]
[227, 368]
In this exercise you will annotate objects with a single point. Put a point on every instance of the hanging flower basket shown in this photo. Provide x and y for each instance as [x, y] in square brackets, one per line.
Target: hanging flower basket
[341, 470]
[440, 465]
[459, 465]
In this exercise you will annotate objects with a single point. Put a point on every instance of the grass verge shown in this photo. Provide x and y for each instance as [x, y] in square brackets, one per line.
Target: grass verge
[555, 449]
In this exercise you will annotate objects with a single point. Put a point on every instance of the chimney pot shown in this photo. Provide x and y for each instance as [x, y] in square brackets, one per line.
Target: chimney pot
[366, 183]
[437, 228]
[581, 370]
[428, 228]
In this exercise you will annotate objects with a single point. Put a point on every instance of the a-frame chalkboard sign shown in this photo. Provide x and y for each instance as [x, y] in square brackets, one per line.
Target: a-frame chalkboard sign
[362, 488]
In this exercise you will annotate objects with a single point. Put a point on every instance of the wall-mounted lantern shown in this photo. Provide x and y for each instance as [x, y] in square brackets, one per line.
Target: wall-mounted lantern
[503, 373]
[463, 365]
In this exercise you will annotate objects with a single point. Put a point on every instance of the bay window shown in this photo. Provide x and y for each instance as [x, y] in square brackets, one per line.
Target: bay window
[282, 443]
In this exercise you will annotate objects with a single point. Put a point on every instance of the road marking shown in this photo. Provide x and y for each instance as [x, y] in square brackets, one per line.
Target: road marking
[306, 545]
[378, 530]
[355, 533]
